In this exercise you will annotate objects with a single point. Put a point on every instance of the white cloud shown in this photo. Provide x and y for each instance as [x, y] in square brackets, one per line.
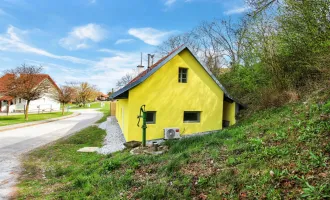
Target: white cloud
[81, 37]
[120, 60]
[237, 10]
[103, 72]
[92, 1]
[169, 2]
[103, 77]
[121, 41]
[150, 35]
[12, 41]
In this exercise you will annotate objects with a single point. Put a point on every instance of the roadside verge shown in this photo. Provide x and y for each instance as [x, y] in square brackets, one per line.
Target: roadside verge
[27, 124]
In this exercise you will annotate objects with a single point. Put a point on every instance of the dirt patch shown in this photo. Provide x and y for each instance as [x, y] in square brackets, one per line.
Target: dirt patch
[201, 169]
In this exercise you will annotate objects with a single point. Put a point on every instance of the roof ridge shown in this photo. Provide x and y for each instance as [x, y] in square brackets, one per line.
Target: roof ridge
[143, 73]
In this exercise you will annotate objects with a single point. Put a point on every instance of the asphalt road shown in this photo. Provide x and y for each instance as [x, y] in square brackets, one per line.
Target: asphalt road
[14, 143]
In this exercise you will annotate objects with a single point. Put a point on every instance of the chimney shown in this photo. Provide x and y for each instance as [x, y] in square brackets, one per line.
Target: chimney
[140, 67]
[150, 60]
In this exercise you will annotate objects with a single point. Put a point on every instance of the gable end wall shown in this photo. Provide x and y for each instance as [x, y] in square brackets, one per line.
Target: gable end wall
[162, 92]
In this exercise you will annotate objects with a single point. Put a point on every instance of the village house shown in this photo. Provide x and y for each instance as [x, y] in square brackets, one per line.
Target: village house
[178, 92]
[16, 104]
[102, 97]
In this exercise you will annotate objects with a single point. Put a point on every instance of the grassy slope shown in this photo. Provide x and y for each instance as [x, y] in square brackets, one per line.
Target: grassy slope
[18, 119]
[278, 153]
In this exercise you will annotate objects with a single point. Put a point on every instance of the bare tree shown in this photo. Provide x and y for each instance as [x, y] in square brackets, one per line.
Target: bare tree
[217, 44]
[25, 83]
[259, 6]
[64, 95]
[190, 39]
[226, 39]
[126, 79]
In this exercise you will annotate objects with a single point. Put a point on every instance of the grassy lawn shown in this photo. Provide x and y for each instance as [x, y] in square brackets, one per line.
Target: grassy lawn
[18, 119]
[53, 167]
[280, 153]
[93, 105]
[106, 112]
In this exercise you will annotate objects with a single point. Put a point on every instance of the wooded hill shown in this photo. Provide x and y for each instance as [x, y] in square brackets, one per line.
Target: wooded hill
[277, 53]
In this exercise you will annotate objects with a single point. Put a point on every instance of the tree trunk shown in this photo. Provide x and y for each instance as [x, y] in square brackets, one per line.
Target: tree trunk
[8, 106]
[63, 108]
[27, 110]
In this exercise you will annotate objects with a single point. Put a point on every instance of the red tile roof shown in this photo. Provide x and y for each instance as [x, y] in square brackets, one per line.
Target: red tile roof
[6, 98]
[37, 79]
[3, 81]
[103, 95]
[142, 74]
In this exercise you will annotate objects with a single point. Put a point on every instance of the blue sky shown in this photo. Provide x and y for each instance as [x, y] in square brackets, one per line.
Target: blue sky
[97, 41]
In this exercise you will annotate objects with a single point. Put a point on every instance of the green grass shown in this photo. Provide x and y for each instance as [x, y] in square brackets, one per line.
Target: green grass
[93, 105]
[280, 153]
[96, 105]
[106, 112]
[53, 167]
[18, 119]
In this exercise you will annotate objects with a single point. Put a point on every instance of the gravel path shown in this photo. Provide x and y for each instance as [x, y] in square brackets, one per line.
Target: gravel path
[114, 141]
[14, 143]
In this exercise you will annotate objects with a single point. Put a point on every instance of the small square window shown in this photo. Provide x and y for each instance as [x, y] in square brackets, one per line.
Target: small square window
[191, 116]
[183, 74]
[151, 117]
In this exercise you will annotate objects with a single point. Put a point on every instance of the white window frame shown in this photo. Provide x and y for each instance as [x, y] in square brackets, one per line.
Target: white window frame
[181, 74]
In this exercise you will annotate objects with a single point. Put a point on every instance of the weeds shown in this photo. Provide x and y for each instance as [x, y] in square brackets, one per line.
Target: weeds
[274, 154]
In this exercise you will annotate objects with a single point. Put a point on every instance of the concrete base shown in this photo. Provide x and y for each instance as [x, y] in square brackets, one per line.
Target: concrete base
[89, 149]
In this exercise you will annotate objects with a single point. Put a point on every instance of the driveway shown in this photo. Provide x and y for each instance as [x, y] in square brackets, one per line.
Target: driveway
[14, 143]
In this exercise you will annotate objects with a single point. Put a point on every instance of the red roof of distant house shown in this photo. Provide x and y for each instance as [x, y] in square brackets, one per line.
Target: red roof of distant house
[37, 78]
[6, 98]
[3, 81]
[103, 95]
[152, 66]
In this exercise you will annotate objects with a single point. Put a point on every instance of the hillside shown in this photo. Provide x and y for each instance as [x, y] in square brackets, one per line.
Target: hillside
[274, 154]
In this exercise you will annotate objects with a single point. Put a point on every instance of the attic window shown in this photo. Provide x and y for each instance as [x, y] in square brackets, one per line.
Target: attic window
[183, 73]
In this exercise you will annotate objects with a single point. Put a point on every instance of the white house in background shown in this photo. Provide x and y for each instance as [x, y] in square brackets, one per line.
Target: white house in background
[16, 104]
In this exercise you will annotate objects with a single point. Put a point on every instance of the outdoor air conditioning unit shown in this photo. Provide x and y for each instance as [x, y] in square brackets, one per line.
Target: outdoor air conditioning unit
[171, 133]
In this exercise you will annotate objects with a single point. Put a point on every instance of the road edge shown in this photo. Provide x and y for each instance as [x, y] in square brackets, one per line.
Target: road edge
[27, 124]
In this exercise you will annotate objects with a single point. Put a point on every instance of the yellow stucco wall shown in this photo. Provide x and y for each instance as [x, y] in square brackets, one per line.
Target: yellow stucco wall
[122, 115]
[229, 112]
[162, 93]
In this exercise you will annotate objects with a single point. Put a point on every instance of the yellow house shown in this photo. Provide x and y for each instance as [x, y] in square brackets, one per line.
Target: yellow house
[179, 92]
